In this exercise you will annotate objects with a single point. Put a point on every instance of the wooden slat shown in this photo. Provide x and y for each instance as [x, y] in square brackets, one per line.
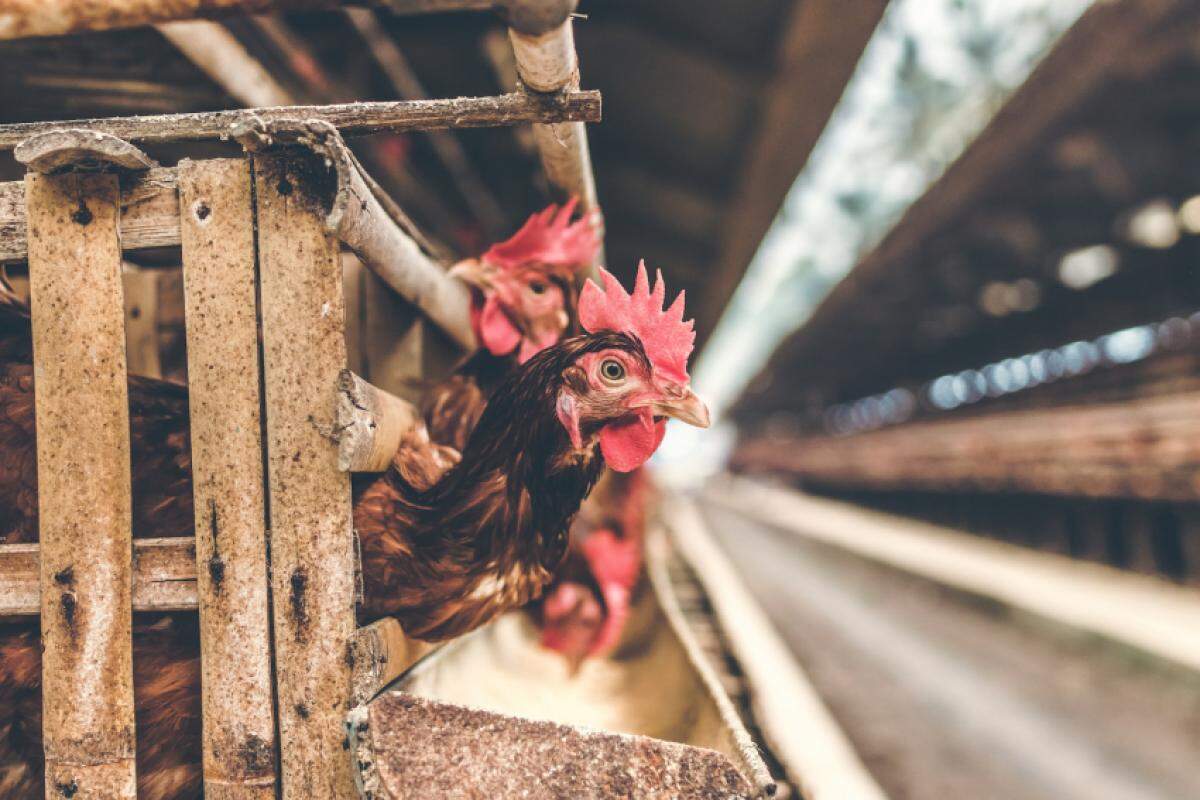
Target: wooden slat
[141, 321]
[84, 493]
[350, 118]
[227, 477]
[312, 547]
[149, 214]
[164, 577]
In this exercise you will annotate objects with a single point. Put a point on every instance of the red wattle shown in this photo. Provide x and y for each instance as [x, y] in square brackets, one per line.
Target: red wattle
[628, 444]
[497, 332]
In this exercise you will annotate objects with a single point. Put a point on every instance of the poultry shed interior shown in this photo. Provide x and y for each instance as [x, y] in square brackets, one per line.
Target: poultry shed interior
[561, 398]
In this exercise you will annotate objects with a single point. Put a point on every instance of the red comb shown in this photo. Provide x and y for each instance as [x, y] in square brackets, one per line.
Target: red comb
[663, 333]
[549, 238]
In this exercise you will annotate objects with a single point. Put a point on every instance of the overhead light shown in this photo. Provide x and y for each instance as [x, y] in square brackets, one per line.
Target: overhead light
[1189, 214]
[1081, 268]
[1153, 225]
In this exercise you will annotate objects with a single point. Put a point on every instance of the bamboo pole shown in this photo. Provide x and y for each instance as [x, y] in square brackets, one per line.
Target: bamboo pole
[361, 222]
[350, 118]
[84, 492]
[370, 424]
[381, 655]
[546, 63]
[227, 478]
[312, 540]
[395, 67]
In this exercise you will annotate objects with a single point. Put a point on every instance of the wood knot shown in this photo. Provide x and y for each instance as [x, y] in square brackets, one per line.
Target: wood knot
[82, 215]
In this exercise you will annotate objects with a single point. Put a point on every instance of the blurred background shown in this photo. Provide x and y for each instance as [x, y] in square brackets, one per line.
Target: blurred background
[942, 256]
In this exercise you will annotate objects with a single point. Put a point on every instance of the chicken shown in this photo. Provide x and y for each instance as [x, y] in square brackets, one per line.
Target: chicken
[523, 300]
[585, 608]
[443, 559]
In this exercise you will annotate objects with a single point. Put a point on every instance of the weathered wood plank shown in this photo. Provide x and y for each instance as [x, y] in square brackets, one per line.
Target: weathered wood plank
[21, 19]
[1146, 448]
[227, 477]
[164, 577]
[312, 541]
[84, 492]
[350, 118]
[149, 214]
[141, 321]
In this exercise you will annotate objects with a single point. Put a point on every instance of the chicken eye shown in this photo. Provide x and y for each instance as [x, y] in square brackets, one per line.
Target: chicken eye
[537, 288]
[612, 371]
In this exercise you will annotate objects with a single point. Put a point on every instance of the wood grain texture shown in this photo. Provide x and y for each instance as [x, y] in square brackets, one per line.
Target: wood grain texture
[217, 230]
[149, 214]
[84, 492]
[312, 541]
[349, 118]
[164, 577]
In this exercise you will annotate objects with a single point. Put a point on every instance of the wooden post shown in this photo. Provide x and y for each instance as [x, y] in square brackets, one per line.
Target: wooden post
[217, 227]
[547, 63]
[84, 497]
[370, 424]
[312, 541]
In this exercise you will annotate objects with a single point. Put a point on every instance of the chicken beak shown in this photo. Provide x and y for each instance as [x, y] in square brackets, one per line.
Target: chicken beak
[472, 272]
[683, 405]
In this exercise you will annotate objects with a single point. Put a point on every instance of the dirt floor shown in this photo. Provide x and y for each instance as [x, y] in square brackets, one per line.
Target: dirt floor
[945, 697]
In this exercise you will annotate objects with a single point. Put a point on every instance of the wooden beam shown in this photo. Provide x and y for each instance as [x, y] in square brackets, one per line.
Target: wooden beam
[149, 214]
[1087, 55]
[395, 67]
[312, 537]
[350, 118]
[227, 477]
[1143, 448]
[221, 57]
[20, 19]
[84, 492]
[318, 85]
[820, 49]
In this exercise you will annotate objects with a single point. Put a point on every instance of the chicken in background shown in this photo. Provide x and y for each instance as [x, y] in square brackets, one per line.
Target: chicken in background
[484, 538]
[523, 299]
[586, 607]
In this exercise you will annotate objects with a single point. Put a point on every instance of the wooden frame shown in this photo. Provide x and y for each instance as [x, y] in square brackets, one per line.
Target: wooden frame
[261, 241]
[84, 491]
[217, 229]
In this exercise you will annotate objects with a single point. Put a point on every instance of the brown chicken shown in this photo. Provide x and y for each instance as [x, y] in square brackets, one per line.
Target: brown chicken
[523, 300]
[483, 539]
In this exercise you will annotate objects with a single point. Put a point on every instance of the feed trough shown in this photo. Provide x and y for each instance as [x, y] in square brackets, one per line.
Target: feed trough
[496, 715]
